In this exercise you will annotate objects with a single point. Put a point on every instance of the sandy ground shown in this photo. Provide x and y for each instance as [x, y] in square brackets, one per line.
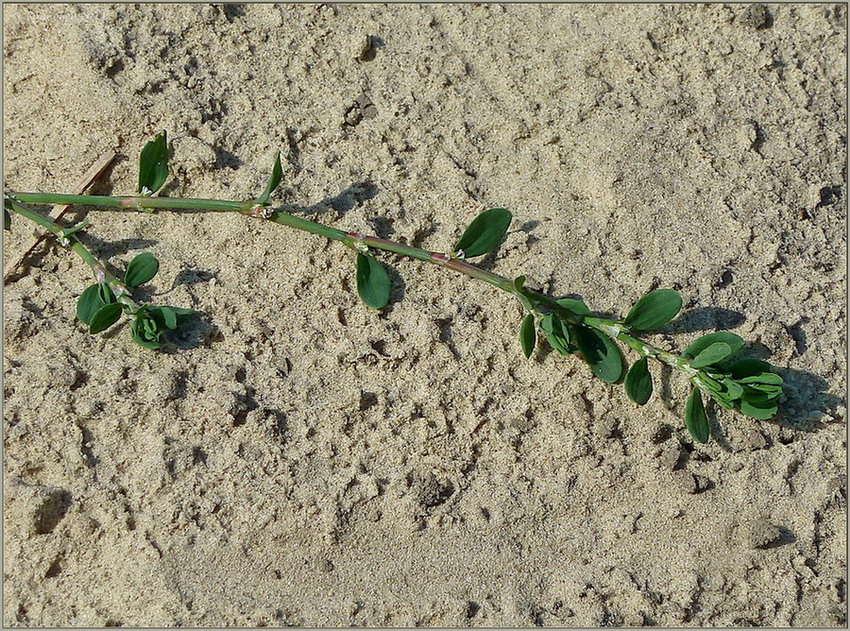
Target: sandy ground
[297, 458]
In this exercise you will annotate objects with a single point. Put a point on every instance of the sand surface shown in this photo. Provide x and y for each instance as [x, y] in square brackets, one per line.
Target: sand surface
[296, 458]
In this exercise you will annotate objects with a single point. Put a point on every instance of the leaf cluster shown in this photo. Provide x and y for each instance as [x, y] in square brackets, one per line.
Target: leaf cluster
[748, 385]
[100, 308]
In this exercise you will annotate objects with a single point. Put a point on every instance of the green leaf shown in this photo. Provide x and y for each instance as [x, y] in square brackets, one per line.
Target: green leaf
[560, 345]
[760, 399]
[724, 401]
[153, 165]
[734, 390]
[105, 317]
[711, 384]
[182, 311]
[169, 316]
[558, 334]
[89, 303]
[712, 354]
[638, 382]
[145, 331]
[141, 269]
[748, 367]
[600, 353]
[485, 233]
[527, 335]
[700, 344]
[105, 293]
[753, 411]
[654, 310]
[765, 377]
[373, 284]
[574, 306]
[770, 391]
[92, 300]
[7, 220]
[695, 419]
[519, 283]
[274, 180]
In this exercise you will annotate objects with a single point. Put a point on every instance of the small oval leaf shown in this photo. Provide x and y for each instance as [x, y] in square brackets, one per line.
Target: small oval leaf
[600, 353]
[724, 401]
[762, 413]
[735, 342]
[153, 165]
[559, 334]
[92, 300]
[760, 398]
[770, 390]
[575, 306]
[638, 382]
[105, 317]
[654, 310]
[274, 180]
[733, 389]
[169, 316]
[485, 233]
[373, 284]
[747, 367]
[695, 419]
[89, 303]
[182, 311]
[141, 269]
[765, 377]
[528, 335]
[712, 354]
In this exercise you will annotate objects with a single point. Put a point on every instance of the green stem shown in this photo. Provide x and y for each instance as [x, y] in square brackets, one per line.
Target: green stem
[132, 202]
[98, 267]
[251, 208]
[356, 241]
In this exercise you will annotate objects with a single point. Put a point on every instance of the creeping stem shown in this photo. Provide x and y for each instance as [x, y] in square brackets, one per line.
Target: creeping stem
[133, 202]
[98, 267]
[353, 240]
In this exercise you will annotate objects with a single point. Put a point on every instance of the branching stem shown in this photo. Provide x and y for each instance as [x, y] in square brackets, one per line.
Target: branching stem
[98, 267]
[353, 240]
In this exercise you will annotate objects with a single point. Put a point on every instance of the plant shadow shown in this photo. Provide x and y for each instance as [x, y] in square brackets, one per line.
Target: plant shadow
[705, 318]
[397, 289]
[343, 202]
[193, 332]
